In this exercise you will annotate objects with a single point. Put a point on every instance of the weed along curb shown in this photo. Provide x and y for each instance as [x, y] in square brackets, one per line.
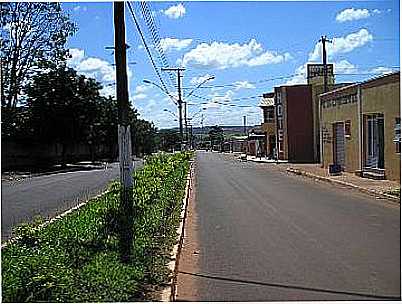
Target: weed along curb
[375, 193]
[57, 217]
[169, 293]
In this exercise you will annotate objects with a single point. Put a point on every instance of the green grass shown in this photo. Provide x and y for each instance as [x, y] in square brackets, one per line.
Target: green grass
[76, 259]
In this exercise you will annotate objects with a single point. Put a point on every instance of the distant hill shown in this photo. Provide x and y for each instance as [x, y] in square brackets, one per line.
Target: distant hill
[237, 130]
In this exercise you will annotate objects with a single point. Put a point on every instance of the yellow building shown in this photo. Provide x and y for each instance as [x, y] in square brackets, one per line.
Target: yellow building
[360, 127]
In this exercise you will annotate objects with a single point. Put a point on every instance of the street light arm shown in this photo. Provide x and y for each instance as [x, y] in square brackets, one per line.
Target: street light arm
[208, 79]
[159, 87]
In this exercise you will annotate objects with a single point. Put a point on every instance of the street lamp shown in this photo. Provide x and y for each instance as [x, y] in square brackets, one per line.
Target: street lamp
[185, 103]
[170, 112]
[162, 89]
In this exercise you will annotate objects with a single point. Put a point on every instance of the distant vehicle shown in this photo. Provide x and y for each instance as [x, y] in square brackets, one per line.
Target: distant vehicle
[243, 156]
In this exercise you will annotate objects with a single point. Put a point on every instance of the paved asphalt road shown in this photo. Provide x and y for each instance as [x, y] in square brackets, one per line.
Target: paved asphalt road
[49, 195]
[265, 235]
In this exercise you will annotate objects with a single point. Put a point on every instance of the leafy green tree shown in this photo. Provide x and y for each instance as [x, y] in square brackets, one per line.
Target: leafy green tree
[216, 135]
[62, 106]
[33, 38]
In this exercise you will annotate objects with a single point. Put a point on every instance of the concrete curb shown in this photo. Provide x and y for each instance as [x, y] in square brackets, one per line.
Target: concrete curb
[168, 294]
[371, 192]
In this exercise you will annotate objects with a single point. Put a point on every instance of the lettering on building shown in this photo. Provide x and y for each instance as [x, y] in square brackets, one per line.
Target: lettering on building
[314, 70]
[339, 101]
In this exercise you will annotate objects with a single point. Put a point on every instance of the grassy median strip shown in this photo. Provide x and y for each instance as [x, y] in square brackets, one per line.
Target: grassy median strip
[76, 259]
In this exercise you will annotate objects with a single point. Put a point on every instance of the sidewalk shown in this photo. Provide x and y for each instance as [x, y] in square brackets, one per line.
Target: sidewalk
[380, 188]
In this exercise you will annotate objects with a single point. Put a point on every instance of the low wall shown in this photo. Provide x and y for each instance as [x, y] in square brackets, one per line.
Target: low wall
[15, 155]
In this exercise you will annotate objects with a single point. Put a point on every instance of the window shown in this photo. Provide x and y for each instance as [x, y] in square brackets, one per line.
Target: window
[397, 138]
[347, 129]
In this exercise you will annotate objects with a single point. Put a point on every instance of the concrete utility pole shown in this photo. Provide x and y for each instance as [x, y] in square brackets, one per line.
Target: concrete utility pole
[179, 101]
[324, 61]
[244, 124]
[126, 164]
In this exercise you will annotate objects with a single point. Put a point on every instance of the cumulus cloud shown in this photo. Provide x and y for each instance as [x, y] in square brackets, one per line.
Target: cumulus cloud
[300, 76]
[175, 11]
[243, 85]
[200, 79]
[141, 88]
[381, 70]
[222, 55]
[139, 96]
[342, 45]
[344, 67]
[174, 44]
[96, 68]
[351, 14]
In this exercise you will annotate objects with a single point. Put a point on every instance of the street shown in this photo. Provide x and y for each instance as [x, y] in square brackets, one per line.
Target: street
[49, 195]
[260, 234]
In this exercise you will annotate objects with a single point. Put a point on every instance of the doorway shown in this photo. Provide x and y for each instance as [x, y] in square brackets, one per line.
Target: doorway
[374, 129]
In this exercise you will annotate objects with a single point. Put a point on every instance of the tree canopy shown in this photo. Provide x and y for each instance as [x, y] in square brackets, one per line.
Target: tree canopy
[33, 38]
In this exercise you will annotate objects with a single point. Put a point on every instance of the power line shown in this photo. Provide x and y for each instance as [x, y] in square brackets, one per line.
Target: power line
[154, 34]
[146, 47]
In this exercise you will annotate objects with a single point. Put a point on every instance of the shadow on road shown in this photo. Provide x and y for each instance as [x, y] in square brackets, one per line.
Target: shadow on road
[208, 276]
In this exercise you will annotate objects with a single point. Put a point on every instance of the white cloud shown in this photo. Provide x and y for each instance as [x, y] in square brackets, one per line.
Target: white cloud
[200, 79]
[139, 96]
[351, 14]
[171, 44]
[175, 11]
[76, 8]
[376, 11]
[141, 88]
[222, 55]
[299, 76]
[108, 91]
[243, 85]
[381, 70]
[342, 45]
[96, 68]
[344, 67]
[76, 56]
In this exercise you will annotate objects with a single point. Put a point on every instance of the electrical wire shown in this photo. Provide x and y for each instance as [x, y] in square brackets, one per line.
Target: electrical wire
[147, 49]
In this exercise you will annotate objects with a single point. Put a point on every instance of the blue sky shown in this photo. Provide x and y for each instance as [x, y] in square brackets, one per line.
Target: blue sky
[249, 47]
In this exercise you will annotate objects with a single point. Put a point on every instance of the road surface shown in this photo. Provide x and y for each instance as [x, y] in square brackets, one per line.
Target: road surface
[263, 235]
[49, 195]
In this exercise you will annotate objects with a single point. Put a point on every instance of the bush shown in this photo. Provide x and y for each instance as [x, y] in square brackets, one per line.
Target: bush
[76, 258]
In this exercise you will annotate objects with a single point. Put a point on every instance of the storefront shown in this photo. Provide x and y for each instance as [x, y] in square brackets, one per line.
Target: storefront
[360, 127]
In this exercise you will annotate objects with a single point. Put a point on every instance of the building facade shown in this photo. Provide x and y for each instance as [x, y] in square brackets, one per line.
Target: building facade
[360, 127]
[294, 123]
[268, 125]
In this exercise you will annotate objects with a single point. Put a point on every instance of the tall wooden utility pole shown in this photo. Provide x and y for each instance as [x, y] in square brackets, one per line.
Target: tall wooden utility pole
[179, 101]
[323, 40]
[126, 164]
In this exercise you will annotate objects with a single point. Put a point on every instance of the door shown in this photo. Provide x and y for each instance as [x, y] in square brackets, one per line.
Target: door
[339, 144]
[375, 141]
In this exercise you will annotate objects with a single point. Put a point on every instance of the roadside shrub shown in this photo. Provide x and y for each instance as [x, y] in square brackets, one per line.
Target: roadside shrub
[76, 258]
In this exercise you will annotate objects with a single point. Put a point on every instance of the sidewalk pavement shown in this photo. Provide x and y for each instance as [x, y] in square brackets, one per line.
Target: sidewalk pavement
[380, 188]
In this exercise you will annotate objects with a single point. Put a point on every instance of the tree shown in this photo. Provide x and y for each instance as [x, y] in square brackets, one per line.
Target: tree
[33, 38]
[216, 135]
[62, 106]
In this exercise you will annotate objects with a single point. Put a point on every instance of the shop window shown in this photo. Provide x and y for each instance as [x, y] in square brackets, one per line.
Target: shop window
[347, 129]
[397, 132]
